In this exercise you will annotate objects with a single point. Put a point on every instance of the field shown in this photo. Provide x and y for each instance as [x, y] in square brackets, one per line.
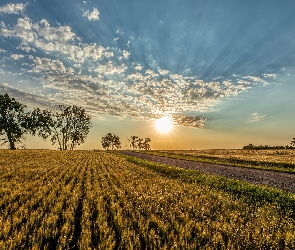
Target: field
[268, 155]
[281, 160]
[99, 200]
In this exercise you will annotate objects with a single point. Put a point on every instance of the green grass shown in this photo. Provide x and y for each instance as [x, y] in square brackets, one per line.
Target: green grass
[253, 194]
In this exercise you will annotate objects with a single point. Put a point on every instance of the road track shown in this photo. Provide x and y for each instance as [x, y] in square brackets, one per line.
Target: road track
[279, 180]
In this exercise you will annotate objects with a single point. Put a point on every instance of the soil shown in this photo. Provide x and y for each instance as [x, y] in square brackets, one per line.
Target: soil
[279, 180]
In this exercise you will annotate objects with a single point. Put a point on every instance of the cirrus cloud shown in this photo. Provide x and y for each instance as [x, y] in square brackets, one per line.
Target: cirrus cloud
[255, 117]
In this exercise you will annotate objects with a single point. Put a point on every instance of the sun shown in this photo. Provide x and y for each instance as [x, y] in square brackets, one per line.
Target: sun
[164, 124]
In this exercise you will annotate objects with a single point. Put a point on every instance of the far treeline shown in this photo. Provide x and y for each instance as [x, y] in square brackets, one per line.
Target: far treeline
[66, 127]
[251, 146]
[112, 141]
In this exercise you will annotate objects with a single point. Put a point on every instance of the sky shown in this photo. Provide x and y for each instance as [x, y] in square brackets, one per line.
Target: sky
[223, 72]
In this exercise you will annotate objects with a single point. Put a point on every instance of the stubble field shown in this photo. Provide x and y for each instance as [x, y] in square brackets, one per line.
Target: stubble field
[99, 200]
[268, 155]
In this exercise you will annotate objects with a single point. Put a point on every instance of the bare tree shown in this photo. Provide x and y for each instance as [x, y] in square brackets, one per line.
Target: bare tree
[110, 140]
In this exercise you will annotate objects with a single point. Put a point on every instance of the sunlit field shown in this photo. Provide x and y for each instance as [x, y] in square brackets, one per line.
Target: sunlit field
[98, 200]
[268, 155]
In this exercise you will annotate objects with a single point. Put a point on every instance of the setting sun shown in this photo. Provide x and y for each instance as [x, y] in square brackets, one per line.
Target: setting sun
[164, 124]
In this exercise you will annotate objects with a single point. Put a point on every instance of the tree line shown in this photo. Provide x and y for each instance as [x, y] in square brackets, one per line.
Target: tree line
[67, 127]
[253, 147]
[112, 141]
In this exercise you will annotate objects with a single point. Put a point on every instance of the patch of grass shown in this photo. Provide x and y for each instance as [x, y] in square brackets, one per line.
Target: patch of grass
[250, 193]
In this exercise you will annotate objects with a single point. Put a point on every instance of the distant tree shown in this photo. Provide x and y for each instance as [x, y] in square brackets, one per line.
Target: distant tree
[14, 121]
[136, 142]
[146, 144]
[293, 142]
[110, 141]
[68, 127]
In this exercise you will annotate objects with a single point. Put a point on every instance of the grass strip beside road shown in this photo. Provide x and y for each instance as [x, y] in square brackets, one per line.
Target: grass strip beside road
[271, 166]
[246, 192]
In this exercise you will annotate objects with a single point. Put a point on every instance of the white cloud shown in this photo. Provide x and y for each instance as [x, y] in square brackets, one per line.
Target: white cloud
[60, 34]
[26, 48]
[135, 77]
[16, 56]
[58, 39]
[109, 69]
[138, 67]
[189, 121]
[11, 8]
[244, 82]
[92, 16]
[256, 79]
[256, 118]
[126, 54]
[21, 30]
[151, 73]
[45, 64]
[269, 75]
[163, 72]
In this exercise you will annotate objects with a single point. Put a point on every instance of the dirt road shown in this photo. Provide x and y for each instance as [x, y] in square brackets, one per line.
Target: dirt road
[284, 181]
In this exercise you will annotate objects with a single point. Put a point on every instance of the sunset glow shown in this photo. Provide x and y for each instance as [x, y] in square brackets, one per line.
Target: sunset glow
[164, 124]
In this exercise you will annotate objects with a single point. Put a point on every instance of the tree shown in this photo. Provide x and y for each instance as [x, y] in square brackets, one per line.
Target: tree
[14, 122]
[110, 140]
[133, 142]
[293, 142]
[146, 144]
[136, 142]
[68, 127]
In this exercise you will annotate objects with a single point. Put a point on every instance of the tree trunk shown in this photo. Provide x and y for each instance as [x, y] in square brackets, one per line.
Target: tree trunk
[11, 145]
[11, 141]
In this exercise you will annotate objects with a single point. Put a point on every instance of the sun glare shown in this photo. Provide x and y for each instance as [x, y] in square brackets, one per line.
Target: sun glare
[164, 124]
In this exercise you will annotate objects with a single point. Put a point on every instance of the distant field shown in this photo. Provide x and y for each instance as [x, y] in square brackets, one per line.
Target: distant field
[268, 155]
[282, 160]
[86, 200]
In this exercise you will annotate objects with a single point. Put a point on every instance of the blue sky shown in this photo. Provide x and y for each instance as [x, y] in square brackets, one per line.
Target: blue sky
[222, 70]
